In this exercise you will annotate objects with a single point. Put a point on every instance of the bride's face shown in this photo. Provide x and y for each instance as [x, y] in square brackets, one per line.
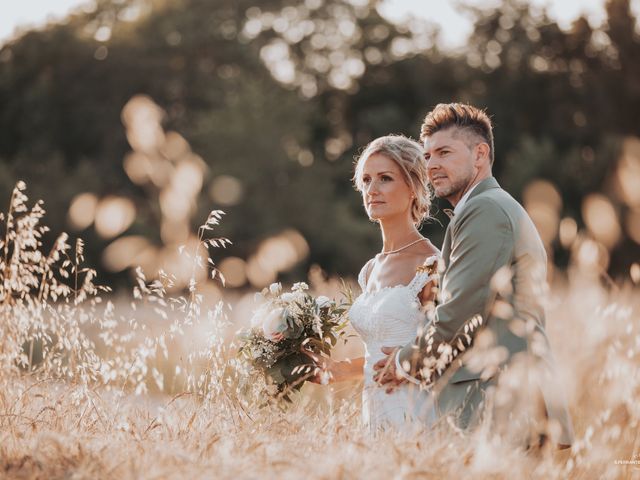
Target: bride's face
[385, 192]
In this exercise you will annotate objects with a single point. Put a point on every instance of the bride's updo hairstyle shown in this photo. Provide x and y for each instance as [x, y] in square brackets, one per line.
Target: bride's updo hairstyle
[409, 156]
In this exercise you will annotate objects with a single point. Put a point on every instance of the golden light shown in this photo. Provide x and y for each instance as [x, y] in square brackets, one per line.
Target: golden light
[634, 272]
[123, 253]
[298, 241]
[177, 201]
[149, 259]
[188, 176]
[276, 56]
[334, 147]
[82, 210]
[174, 231]
[211, 294]
[543, 203]
[258, 275]
[175, 205]
[542, 191]
[590, 254]
[142, 119]
[234, 271]
[114, 215]
[545, 218]
[501, 281]
[138, 167]
[601, 219]
[632, 224]
[305, 158]
[226, 190]
[568, 232]
[175, 146]
[182, 264]
[276, 254]
[283, 251]
[628, 172]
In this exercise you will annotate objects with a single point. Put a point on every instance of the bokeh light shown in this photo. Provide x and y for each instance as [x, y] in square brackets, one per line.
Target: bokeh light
[82, 211]
[276, 254]
[634, 272]
[234, 270]
[181, 263]
[568, 232]
[590, 255]
[632, 224]
[226, 190]
[142, 118]
[601, 219]
[114, 215]
[543, 203]
[138, 167]
[628, 173]
[123, 253]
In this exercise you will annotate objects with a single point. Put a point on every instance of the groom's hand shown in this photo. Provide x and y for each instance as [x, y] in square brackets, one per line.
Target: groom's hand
[386, 370]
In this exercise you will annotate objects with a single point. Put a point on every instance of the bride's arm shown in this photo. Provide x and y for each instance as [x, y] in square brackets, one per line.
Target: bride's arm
[331, 371]
[346, 370]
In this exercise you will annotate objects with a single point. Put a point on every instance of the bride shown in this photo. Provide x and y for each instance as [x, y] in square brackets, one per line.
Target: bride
[391, 174]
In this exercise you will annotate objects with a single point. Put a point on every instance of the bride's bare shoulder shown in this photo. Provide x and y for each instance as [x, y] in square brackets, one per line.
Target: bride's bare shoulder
[365, 271]
[425, 251]
[431, 249]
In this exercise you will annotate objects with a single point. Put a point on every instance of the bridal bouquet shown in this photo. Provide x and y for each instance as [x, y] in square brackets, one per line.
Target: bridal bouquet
[286, 324]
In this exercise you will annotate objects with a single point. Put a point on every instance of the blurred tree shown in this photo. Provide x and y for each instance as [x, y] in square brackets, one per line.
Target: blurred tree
[279, 96]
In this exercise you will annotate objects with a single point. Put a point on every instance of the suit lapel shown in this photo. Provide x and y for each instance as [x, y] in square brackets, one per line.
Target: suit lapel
[484, 185]
[446, 244]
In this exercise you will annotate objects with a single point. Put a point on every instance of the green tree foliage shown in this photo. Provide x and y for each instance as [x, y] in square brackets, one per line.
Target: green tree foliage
[282, 95]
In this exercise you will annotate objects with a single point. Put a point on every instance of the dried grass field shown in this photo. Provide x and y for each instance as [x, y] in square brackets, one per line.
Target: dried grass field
[152, 387]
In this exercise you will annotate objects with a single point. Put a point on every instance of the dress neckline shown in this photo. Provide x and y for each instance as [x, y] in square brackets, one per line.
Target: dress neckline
[388, 287]
[391, 287]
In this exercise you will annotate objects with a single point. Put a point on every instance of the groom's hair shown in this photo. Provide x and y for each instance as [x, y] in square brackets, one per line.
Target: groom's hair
[471, 121]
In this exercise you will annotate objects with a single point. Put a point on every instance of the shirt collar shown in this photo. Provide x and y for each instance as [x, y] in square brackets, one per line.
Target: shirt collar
[463, 200]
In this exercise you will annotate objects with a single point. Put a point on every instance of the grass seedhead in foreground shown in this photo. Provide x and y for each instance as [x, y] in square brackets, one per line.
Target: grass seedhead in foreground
[89, 389]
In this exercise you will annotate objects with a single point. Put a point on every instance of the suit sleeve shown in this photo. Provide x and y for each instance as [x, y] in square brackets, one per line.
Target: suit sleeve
[481, 243]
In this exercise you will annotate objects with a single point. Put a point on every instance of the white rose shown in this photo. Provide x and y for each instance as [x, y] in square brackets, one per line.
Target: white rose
[258, 315]
[292, 297]
[323, 301]
[275, 288]
[300, 286]
[287, 297]
[275, 323]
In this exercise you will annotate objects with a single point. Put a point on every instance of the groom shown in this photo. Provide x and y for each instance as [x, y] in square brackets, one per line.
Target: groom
[493, 282]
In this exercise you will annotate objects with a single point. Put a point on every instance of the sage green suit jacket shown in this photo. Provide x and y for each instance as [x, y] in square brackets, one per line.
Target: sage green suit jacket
[493, 231]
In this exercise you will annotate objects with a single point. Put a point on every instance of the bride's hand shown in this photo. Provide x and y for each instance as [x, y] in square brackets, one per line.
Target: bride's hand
[386, 375]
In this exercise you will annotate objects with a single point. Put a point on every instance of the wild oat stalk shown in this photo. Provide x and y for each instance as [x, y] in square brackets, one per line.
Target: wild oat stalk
[66, 408]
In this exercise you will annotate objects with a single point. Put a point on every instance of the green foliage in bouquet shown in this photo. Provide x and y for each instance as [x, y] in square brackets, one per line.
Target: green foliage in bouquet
[286, 324]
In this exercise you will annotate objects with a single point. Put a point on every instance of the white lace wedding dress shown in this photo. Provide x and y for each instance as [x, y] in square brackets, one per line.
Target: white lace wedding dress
[391, 317]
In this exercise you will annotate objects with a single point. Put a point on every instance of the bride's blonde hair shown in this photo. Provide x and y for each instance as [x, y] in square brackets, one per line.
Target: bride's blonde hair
[409, 156]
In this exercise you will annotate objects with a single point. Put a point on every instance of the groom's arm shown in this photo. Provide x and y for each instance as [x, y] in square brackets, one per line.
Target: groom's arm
[482, 243]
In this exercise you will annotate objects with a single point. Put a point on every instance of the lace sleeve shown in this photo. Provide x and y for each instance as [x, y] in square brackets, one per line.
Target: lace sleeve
[364, 275]
[426, 272]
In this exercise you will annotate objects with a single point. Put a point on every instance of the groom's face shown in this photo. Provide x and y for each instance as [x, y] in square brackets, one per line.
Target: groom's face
[450, 163]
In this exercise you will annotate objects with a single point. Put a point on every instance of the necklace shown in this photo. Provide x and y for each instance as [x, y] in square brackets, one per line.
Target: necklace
[402, 248]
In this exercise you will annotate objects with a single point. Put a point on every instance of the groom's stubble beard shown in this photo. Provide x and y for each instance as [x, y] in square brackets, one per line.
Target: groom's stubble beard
[451, 190]
[455, 187]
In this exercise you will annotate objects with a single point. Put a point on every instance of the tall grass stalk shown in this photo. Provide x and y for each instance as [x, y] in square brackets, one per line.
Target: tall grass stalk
[90, 389]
